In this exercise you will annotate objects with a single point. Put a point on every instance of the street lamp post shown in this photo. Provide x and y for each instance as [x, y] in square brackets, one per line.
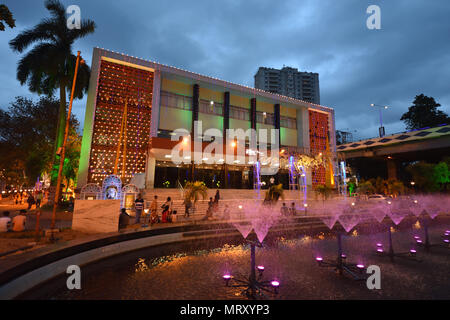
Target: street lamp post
[381, 129]
[63, 148]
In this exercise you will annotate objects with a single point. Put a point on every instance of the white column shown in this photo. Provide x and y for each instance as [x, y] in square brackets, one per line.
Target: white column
[150, 172]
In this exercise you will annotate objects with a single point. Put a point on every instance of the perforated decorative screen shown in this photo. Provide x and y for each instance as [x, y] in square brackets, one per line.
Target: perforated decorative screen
[121, 133]
[318, 134]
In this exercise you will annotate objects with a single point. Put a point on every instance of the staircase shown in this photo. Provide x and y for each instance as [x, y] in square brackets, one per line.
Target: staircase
[227, 196]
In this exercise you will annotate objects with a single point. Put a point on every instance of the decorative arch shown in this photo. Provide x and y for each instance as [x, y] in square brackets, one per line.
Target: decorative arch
[112, 188]
[89, 190]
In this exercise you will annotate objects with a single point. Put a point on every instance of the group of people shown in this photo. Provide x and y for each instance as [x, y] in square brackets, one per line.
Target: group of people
[285, 211]
[167, 215]
[31, 199]
[16, 224]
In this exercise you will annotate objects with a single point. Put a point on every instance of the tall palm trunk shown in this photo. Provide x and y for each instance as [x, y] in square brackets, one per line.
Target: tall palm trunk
[59, 129]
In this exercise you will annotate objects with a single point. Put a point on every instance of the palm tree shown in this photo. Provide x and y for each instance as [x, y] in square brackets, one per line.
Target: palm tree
[6, 15]
[50, 64]
[324, 191]
[274, 193]
[195, 190]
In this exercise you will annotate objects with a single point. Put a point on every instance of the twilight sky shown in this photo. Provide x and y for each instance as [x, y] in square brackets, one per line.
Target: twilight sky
[230, 39]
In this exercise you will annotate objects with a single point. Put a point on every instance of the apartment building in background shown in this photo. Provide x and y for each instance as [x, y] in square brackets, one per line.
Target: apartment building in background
[289, 82]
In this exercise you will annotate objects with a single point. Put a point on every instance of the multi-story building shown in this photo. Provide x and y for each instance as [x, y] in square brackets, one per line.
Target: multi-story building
[289, 82]
[135, 106]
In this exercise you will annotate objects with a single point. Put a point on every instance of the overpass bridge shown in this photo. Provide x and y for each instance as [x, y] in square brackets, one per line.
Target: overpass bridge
[386, 156]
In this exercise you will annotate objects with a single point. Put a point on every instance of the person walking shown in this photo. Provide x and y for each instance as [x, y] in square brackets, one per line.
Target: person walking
[187, 207]
[217, 196]
[209, 211]
[30, 201]
[39, 197]
[138, 206]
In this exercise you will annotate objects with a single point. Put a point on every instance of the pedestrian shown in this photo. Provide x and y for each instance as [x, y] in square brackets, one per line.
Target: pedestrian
[5, 222]
[124, 219]
[173, 216]
[226, 213]
[209, 211]
[169, 203]
[138, 206]
[154, 207]
[39, 197]
[217, 196]
[165, 214]
[292, 209]
[284, 210]
[71, 204]
[30, 201]
[187, 206]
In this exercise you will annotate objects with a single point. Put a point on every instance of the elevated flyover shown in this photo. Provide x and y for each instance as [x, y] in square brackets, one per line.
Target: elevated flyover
[375, 155]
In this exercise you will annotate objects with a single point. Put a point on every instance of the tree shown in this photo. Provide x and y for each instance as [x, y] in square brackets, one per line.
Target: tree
[50, 64]
[422, 174]
[395, 187]
[441, 174]
[274, 193]
[366, 187]
[27, 135]
[324, 191]
[423, 113]
[195, 190]
[6, 15]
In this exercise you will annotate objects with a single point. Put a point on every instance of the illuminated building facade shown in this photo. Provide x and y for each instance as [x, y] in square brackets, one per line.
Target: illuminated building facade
[134, 105]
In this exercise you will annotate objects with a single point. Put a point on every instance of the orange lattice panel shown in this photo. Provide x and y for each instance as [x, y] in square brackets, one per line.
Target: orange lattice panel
[318, 134]
[119, 85]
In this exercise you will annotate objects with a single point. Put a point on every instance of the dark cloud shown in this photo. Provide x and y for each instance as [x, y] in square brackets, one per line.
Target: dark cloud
[231, 39]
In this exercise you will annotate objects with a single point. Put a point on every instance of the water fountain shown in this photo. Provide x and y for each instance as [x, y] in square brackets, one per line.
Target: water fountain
[348, 218]
[397, 211]
[258, 218]
[429, 205]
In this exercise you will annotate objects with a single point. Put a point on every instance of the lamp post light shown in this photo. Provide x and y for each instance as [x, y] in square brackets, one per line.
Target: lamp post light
[63, 148]
[381, 129]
